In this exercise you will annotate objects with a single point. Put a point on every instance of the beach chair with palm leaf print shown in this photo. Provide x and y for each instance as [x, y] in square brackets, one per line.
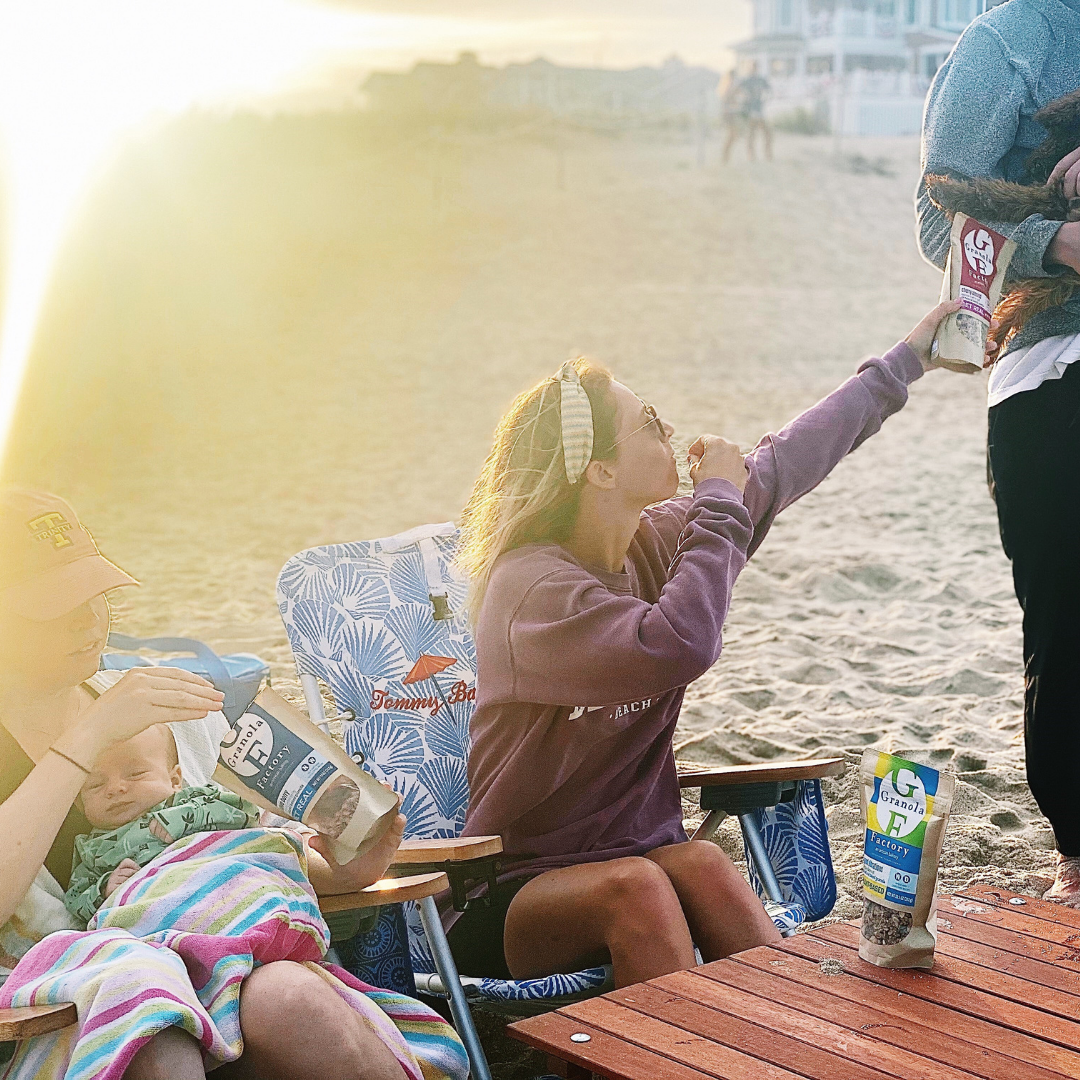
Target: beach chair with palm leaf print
[382, 624]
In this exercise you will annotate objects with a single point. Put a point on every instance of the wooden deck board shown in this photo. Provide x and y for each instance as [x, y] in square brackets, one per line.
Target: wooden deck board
[1015, 920]
[969, 999]
[1063, 956]
[974, 951]
[802, 955]
[1011, 988]
[605, 1054]
[846, 1052]
[673, 1040]
[774, 977]
[1040, 909]
[1002, 1002]
[769, 1050]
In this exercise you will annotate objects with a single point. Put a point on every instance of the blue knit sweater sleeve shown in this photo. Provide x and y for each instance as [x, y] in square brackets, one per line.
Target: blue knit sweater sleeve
[973, 112]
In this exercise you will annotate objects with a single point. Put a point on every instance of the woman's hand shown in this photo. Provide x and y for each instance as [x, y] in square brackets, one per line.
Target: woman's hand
[714, 458]
[922, 337]
[1067, 173]
[141, 698]
[127, 869]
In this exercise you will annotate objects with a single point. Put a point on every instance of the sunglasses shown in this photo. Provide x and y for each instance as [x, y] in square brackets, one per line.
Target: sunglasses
[654, 421]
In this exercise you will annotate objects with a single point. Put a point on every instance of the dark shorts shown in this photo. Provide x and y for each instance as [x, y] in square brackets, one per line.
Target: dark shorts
[476, 939]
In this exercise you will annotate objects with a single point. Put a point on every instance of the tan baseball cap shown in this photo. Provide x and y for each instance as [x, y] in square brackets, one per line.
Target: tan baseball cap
[49, 563]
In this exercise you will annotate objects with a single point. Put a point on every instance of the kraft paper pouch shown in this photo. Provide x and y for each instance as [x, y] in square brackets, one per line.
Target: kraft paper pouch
[276, 757]
[974, 275]
[905, 806]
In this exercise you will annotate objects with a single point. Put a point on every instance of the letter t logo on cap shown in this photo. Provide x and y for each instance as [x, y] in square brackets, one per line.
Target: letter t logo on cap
[51, 527]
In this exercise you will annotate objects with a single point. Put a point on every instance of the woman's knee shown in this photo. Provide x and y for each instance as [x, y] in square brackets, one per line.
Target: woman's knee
[637, 890]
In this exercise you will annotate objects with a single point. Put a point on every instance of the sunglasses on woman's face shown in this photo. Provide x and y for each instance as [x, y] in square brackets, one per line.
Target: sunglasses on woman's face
[654, 421]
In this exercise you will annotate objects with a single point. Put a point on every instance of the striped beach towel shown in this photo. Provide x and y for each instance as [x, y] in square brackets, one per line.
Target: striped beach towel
[172, 946]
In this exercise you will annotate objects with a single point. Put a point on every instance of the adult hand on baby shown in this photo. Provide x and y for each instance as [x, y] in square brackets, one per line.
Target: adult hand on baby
[922, 337]
[714, 458]
[126, 870]
[142, 698]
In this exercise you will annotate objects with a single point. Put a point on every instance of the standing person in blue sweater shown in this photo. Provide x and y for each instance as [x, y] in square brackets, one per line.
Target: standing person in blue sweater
[1008, 64]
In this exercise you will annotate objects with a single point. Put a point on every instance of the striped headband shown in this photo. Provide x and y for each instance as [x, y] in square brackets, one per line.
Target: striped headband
[577, 423]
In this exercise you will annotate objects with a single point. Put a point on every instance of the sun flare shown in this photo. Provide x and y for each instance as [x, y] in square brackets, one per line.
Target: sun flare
[77, 77]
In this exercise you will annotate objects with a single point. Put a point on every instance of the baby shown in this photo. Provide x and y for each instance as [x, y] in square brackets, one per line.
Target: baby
[138, 806]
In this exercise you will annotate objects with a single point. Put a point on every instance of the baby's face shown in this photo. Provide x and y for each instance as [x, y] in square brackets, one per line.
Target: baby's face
[130, 778]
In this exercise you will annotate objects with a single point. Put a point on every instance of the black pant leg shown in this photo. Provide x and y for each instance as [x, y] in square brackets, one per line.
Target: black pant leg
[1034, 456]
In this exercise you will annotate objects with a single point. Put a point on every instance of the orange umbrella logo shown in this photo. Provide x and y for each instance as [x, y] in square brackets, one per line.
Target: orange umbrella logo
[427, 667]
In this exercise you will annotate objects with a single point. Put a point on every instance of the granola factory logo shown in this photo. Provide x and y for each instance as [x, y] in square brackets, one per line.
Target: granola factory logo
[52, 527]
[902, 799]
[248, 745]
[979, 252]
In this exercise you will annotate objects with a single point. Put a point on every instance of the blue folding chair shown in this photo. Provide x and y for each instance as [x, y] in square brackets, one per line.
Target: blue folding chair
[382, 624]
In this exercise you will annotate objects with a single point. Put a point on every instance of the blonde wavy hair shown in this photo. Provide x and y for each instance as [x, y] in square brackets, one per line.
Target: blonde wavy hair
[522, 495]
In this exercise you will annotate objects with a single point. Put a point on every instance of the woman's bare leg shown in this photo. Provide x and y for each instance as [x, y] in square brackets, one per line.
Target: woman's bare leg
[172, 1054]
[577, 916]
[296, 1027]
[724, 913]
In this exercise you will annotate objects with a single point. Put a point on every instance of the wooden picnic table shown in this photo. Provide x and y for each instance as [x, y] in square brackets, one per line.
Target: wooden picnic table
[1001, 1003]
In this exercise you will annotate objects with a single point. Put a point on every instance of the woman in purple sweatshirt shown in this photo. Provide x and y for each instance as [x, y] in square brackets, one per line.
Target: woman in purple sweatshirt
[597, 597]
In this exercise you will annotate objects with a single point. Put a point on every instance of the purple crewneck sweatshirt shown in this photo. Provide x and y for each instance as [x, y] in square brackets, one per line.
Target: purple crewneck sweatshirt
[581, 672]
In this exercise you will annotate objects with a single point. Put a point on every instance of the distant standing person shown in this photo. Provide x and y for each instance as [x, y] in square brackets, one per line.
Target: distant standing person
[731, 109]
[744, 112]
[755, 89]
[1006, 66]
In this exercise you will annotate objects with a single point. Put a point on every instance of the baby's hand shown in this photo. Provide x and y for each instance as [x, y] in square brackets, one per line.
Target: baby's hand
[158, 830]
[127, 869]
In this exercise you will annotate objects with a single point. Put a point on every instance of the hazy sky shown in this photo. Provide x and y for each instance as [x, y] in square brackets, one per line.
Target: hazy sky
[608, 33]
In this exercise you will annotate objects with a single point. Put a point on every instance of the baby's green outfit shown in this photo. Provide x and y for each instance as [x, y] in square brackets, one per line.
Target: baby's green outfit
[191, 810]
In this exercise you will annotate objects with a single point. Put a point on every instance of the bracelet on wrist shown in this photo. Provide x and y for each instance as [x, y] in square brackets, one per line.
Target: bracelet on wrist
[70, 760]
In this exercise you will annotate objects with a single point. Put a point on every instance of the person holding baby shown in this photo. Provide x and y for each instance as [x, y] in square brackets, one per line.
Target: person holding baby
[1009, 63]
[109, 770]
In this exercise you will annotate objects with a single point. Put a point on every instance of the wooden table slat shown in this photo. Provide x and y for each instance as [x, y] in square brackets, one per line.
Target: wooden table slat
[974, 951]
[608, 1055]
[802, 955]
[856, 1050]
[1010, 988]
[1014, 920]
[768, 1052]
[981, 933]
[1039, 909]
[654, 1032]
[769, 974]
[972, 1000]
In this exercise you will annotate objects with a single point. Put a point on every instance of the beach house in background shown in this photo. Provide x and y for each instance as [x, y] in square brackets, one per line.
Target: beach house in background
[862, 65]
[589, 96]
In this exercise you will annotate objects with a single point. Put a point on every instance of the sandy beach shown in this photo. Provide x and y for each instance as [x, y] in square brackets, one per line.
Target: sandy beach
[270, 334]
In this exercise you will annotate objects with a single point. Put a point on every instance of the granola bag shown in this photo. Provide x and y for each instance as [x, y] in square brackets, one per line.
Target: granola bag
[276, 757]
[905, 806]
[974, 274]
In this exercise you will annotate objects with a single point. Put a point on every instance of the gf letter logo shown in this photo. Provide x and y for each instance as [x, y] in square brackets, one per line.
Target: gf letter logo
[51, 527]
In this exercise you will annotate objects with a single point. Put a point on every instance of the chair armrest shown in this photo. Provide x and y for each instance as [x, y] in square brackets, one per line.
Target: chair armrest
[387, 891]
[24, 1023]
[767, 773]
[456, 849]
